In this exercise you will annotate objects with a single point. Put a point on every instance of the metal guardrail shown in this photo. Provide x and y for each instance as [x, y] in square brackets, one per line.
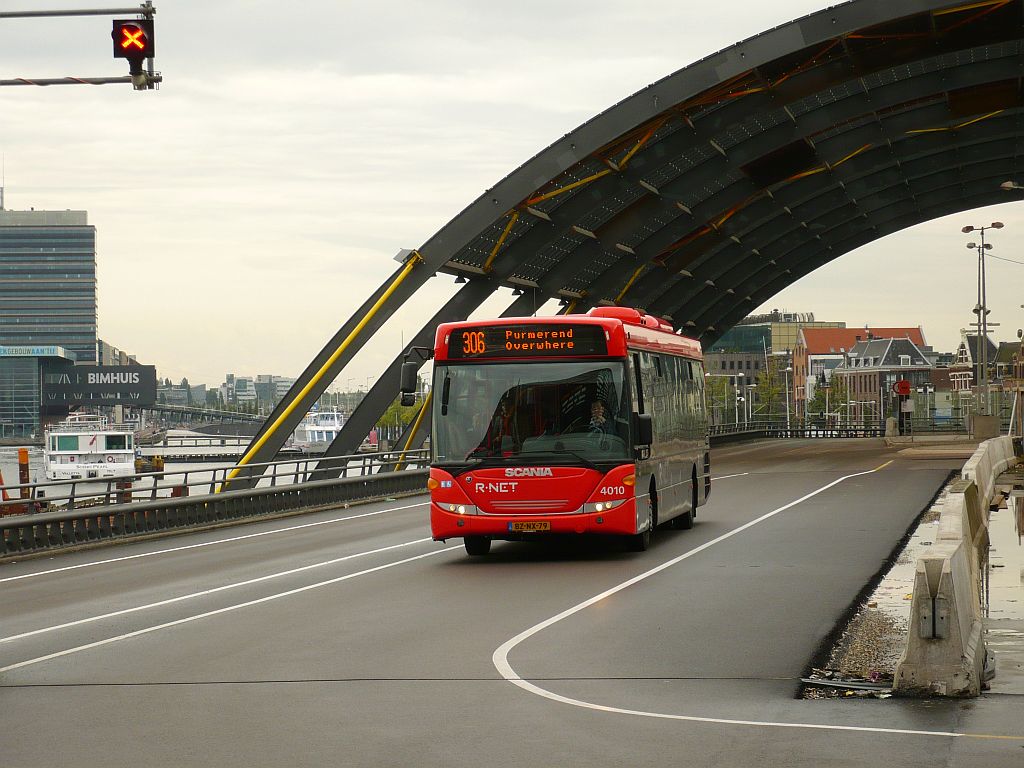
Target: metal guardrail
[149, 486]
[85, 525]
[776, 430]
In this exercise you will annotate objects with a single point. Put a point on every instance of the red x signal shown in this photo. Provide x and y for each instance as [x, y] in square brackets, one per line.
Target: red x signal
[133, 39]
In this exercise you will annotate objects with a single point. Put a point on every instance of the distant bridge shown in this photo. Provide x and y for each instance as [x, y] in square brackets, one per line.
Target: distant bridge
[206, 414]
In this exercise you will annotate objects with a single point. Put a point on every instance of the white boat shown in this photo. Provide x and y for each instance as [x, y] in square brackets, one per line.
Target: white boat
[317, 430]
[86, 446]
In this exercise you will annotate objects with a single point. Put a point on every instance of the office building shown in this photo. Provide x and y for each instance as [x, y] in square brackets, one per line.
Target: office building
[773, 331]
[48, 281]
[22, 370]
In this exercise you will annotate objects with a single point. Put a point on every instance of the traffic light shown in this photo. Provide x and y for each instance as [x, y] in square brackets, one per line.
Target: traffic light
[133, 40]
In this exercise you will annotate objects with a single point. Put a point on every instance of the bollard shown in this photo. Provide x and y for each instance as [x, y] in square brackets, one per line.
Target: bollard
[23, 471]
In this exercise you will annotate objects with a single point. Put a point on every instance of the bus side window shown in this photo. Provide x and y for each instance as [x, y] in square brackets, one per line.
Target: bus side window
[638, 381]
[701, 405]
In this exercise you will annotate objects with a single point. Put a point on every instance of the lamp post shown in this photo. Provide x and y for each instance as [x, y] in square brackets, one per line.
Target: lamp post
[981, 309]
[789, 370]
[737, 397]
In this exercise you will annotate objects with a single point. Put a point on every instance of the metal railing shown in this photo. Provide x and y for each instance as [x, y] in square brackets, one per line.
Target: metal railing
[818, 428]
[61, 495]
[83, 526]
[777, 429]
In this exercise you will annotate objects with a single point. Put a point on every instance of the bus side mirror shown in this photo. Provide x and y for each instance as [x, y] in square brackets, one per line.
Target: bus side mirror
[644, 429]
[410, 369]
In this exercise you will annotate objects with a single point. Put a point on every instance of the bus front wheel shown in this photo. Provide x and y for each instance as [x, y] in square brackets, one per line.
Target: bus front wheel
[641, 541]
[477, 545]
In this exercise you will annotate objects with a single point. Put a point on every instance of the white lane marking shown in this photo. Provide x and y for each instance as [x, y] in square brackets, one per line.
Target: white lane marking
[500, 656]
[194, 595]
[248, 582]
[226, 609]
[723, 721]
[209, 543]
[237, 538]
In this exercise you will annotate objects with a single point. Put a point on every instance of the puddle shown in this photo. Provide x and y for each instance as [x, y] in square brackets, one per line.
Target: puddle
[1003, 597]
[1004, 579]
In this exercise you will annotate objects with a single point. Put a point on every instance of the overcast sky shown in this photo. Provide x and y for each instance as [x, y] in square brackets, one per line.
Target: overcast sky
[245, 209]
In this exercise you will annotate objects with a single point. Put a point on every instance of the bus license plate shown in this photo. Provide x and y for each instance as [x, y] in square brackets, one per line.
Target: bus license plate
[528, 527]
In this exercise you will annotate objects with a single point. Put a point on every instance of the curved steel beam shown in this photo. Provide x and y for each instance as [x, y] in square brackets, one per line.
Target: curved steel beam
[734, 176]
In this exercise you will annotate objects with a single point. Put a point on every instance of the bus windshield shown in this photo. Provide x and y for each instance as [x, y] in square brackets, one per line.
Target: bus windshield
[531, 412]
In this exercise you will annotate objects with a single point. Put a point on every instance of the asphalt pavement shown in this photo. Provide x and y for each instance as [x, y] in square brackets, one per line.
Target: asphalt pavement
[349, 638]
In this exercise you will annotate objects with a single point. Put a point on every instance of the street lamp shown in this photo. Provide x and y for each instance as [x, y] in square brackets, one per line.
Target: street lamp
[789, 370]
[737, 397]
[981, 309]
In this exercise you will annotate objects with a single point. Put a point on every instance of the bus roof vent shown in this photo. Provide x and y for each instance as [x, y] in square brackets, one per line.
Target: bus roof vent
[662, 324]
[625, 314]
[632, 316]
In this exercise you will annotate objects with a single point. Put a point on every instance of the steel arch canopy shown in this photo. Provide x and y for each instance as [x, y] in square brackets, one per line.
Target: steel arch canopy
[760, 163]
[706, 193]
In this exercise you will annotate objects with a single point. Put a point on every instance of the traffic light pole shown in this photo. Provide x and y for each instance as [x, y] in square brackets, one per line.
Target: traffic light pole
[146, 80]
[146, 9]
[150, 78]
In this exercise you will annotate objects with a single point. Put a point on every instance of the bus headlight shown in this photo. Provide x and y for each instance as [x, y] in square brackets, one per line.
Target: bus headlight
[602, 506]
[461, 509]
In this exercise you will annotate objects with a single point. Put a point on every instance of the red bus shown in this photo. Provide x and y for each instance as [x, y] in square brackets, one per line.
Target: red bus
[574, 424]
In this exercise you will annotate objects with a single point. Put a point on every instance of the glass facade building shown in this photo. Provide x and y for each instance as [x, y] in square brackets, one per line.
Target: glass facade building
[48, 281]
[21, 374]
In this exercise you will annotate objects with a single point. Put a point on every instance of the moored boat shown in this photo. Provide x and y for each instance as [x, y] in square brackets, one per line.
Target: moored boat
[86, 446]
[317, 430]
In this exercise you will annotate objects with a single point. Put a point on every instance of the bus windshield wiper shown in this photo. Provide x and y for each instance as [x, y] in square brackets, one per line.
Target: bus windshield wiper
[530, 458]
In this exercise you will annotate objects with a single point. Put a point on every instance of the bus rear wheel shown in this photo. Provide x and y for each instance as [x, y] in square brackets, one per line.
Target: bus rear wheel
[684, 522]
[477, 545]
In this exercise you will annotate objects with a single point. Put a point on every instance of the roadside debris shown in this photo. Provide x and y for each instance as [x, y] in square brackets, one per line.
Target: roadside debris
[830, 684]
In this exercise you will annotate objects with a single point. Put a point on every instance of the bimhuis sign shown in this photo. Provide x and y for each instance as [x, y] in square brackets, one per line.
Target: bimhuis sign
[100, 385]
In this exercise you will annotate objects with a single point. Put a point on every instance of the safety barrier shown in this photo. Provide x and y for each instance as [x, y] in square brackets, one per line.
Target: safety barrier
[772, 429]
[83, 526]
[56, 495]
[945, 653]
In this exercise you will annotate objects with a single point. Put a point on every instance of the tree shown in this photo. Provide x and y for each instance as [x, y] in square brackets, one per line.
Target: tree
[398, 415]
[716, 393]
[771, 388]
[832, 395]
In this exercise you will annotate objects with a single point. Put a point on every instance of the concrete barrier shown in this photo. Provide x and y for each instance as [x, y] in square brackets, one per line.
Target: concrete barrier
[945, 653]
